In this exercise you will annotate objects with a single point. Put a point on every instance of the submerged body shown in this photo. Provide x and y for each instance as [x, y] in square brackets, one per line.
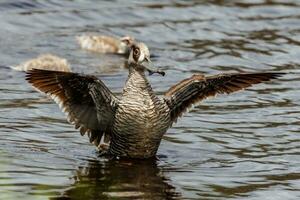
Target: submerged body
[137, 120]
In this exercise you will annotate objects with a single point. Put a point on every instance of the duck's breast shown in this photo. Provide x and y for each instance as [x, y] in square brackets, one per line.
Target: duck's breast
[140, 123]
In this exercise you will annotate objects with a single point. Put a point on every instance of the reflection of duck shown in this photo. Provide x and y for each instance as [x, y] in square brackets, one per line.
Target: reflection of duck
[105, 44]
[120, 179]
[47, 62]
[137, 121]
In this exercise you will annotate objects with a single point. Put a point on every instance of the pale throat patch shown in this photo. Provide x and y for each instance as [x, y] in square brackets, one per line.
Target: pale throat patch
[141, 58]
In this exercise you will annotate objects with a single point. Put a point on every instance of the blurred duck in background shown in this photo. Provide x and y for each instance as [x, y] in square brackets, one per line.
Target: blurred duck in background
[96, 43]
[106, 44]
[46, 62]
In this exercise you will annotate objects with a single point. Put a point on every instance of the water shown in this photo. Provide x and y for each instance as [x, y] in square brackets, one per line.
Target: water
[242, 146]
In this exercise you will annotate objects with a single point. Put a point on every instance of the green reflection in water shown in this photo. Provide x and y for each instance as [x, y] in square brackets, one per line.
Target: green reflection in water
[120, 179]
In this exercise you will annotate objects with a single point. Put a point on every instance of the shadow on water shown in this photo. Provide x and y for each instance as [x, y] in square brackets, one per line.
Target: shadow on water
[124, 179]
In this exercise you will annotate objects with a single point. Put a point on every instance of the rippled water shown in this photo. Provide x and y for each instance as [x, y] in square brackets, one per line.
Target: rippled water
[242, 146]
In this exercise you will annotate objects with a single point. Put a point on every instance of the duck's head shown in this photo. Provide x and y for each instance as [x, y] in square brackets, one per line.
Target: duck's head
[139, 57]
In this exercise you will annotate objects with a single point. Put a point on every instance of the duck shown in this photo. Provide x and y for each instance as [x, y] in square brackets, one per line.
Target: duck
[106, 44]
[137, 120]
[44, 61]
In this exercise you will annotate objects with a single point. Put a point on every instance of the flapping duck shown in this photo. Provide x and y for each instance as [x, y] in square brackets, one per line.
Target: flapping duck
[137, 120]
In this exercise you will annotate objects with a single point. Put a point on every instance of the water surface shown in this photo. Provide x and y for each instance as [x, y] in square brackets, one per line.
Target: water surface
[242, 146]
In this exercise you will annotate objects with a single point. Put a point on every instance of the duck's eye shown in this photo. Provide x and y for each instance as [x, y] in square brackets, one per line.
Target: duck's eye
[136, 52]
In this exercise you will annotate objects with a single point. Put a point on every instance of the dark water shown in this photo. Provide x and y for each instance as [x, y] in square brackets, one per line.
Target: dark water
[242, 146]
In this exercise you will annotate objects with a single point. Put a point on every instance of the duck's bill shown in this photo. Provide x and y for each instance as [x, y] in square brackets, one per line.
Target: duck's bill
[152, 69]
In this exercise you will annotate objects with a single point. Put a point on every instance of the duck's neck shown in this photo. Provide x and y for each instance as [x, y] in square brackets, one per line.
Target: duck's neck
[136, 82]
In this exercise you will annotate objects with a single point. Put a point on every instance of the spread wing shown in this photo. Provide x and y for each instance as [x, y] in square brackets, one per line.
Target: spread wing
[198, 87]
[87, 102]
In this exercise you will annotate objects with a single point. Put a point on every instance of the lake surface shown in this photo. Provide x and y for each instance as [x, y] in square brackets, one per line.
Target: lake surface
[242, 146]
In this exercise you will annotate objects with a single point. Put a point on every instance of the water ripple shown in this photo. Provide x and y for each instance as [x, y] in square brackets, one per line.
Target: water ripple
[242, 146]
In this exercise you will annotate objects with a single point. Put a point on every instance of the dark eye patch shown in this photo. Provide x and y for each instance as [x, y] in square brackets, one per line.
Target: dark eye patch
[136, 53]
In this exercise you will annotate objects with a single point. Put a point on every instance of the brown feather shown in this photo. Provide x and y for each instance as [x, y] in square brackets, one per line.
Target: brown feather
[73, 94]
[198, 87]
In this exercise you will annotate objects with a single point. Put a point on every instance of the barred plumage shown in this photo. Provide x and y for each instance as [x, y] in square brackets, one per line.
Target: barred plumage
[142, 118]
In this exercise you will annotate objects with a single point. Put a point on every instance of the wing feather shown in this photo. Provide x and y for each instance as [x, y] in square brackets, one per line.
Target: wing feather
[82, 98]
[198, 87]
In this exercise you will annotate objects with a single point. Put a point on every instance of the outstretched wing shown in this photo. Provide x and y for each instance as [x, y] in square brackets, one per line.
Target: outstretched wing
[198, 87]
[88, 103]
